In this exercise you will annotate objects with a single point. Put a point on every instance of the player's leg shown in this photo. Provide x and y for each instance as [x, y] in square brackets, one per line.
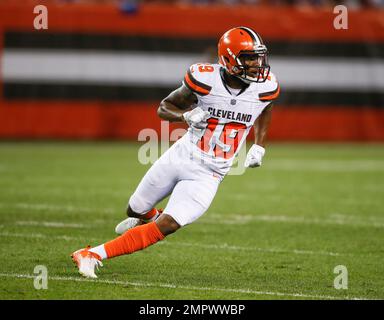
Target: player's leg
[133, 240]
[134, 219]
[167, 224]
[138, 238]
[189, 200]
[157, 184]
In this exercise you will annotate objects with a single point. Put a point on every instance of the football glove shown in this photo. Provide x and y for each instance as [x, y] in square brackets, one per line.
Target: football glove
[254, 156]
[196, 118]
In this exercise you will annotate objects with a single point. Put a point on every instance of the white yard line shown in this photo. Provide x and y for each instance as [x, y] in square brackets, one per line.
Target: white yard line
[45, 206]
[325, 165]
[241, 248]
[51, 224]
[179, 244]
[234, 219]
[38, 236]
[182, 287]
[50, 190]
[343, 220]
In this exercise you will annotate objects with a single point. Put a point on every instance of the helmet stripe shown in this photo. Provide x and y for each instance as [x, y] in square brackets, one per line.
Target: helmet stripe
[256, 38]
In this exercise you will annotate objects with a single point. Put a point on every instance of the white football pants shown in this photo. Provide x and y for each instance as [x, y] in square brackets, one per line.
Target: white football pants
[191, 184]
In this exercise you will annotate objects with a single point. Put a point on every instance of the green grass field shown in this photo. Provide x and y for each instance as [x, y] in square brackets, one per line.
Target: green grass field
[276, 232]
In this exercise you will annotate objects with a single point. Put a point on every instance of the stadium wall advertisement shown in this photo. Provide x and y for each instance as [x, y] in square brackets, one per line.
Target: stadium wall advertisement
[99, 72]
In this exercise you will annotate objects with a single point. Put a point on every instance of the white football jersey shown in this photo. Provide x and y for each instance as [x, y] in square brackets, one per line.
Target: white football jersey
[232, 115]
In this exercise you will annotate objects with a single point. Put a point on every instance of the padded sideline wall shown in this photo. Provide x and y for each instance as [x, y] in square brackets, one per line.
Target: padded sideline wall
[99, 72]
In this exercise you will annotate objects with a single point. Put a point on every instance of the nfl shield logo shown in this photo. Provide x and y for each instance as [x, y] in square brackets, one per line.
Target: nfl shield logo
[233, 102]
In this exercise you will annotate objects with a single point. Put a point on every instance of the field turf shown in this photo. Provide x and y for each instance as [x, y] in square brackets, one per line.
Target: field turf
[276, 232]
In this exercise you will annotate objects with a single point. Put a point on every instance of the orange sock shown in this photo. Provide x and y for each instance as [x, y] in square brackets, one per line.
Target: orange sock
[133, 240]
[149, 215]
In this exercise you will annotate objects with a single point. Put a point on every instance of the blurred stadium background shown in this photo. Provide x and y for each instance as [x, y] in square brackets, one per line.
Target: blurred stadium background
[101, 65]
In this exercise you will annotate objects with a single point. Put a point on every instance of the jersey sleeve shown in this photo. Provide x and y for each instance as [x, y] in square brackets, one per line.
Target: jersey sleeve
[271, 89]
[198, 77]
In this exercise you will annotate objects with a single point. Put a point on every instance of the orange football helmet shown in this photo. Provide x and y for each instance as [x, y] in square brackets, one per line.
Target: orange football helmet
[242, 43]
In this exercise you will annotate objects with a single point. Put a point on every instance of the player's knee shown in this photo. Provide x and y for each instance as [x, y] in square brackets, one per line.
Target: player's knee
[167, 224]
[137, 206]
[131, 213]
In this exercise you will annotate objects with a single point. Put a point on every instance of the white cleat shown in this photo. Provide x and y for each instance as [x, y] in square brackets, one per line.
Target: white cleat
[127, 224]
[87, 261]
[130, 223]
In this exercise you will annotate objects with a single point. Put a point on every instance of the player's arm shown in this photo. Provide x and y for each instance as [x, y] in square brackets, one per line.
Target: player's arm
[176, 103]
[261, 126]
[257, 151]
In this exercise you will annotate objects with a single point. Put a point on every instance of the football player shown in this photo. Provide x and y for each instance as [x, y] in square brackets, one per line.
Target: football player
[220, 103]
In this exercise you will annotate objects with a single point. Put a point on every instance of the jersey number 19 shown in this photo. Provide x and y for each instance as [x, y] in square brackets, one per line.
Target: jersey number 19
[221, 140]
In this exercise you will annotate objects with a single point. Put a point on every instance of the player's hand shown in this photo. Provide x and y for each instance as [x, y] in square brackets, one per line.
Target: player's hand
[254, 156]
[196, 118]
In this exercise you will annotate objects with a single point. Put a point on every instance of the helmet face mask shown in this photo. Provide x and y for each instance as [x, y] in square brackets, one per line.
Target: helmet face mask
[244, 55]
[253, 67]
